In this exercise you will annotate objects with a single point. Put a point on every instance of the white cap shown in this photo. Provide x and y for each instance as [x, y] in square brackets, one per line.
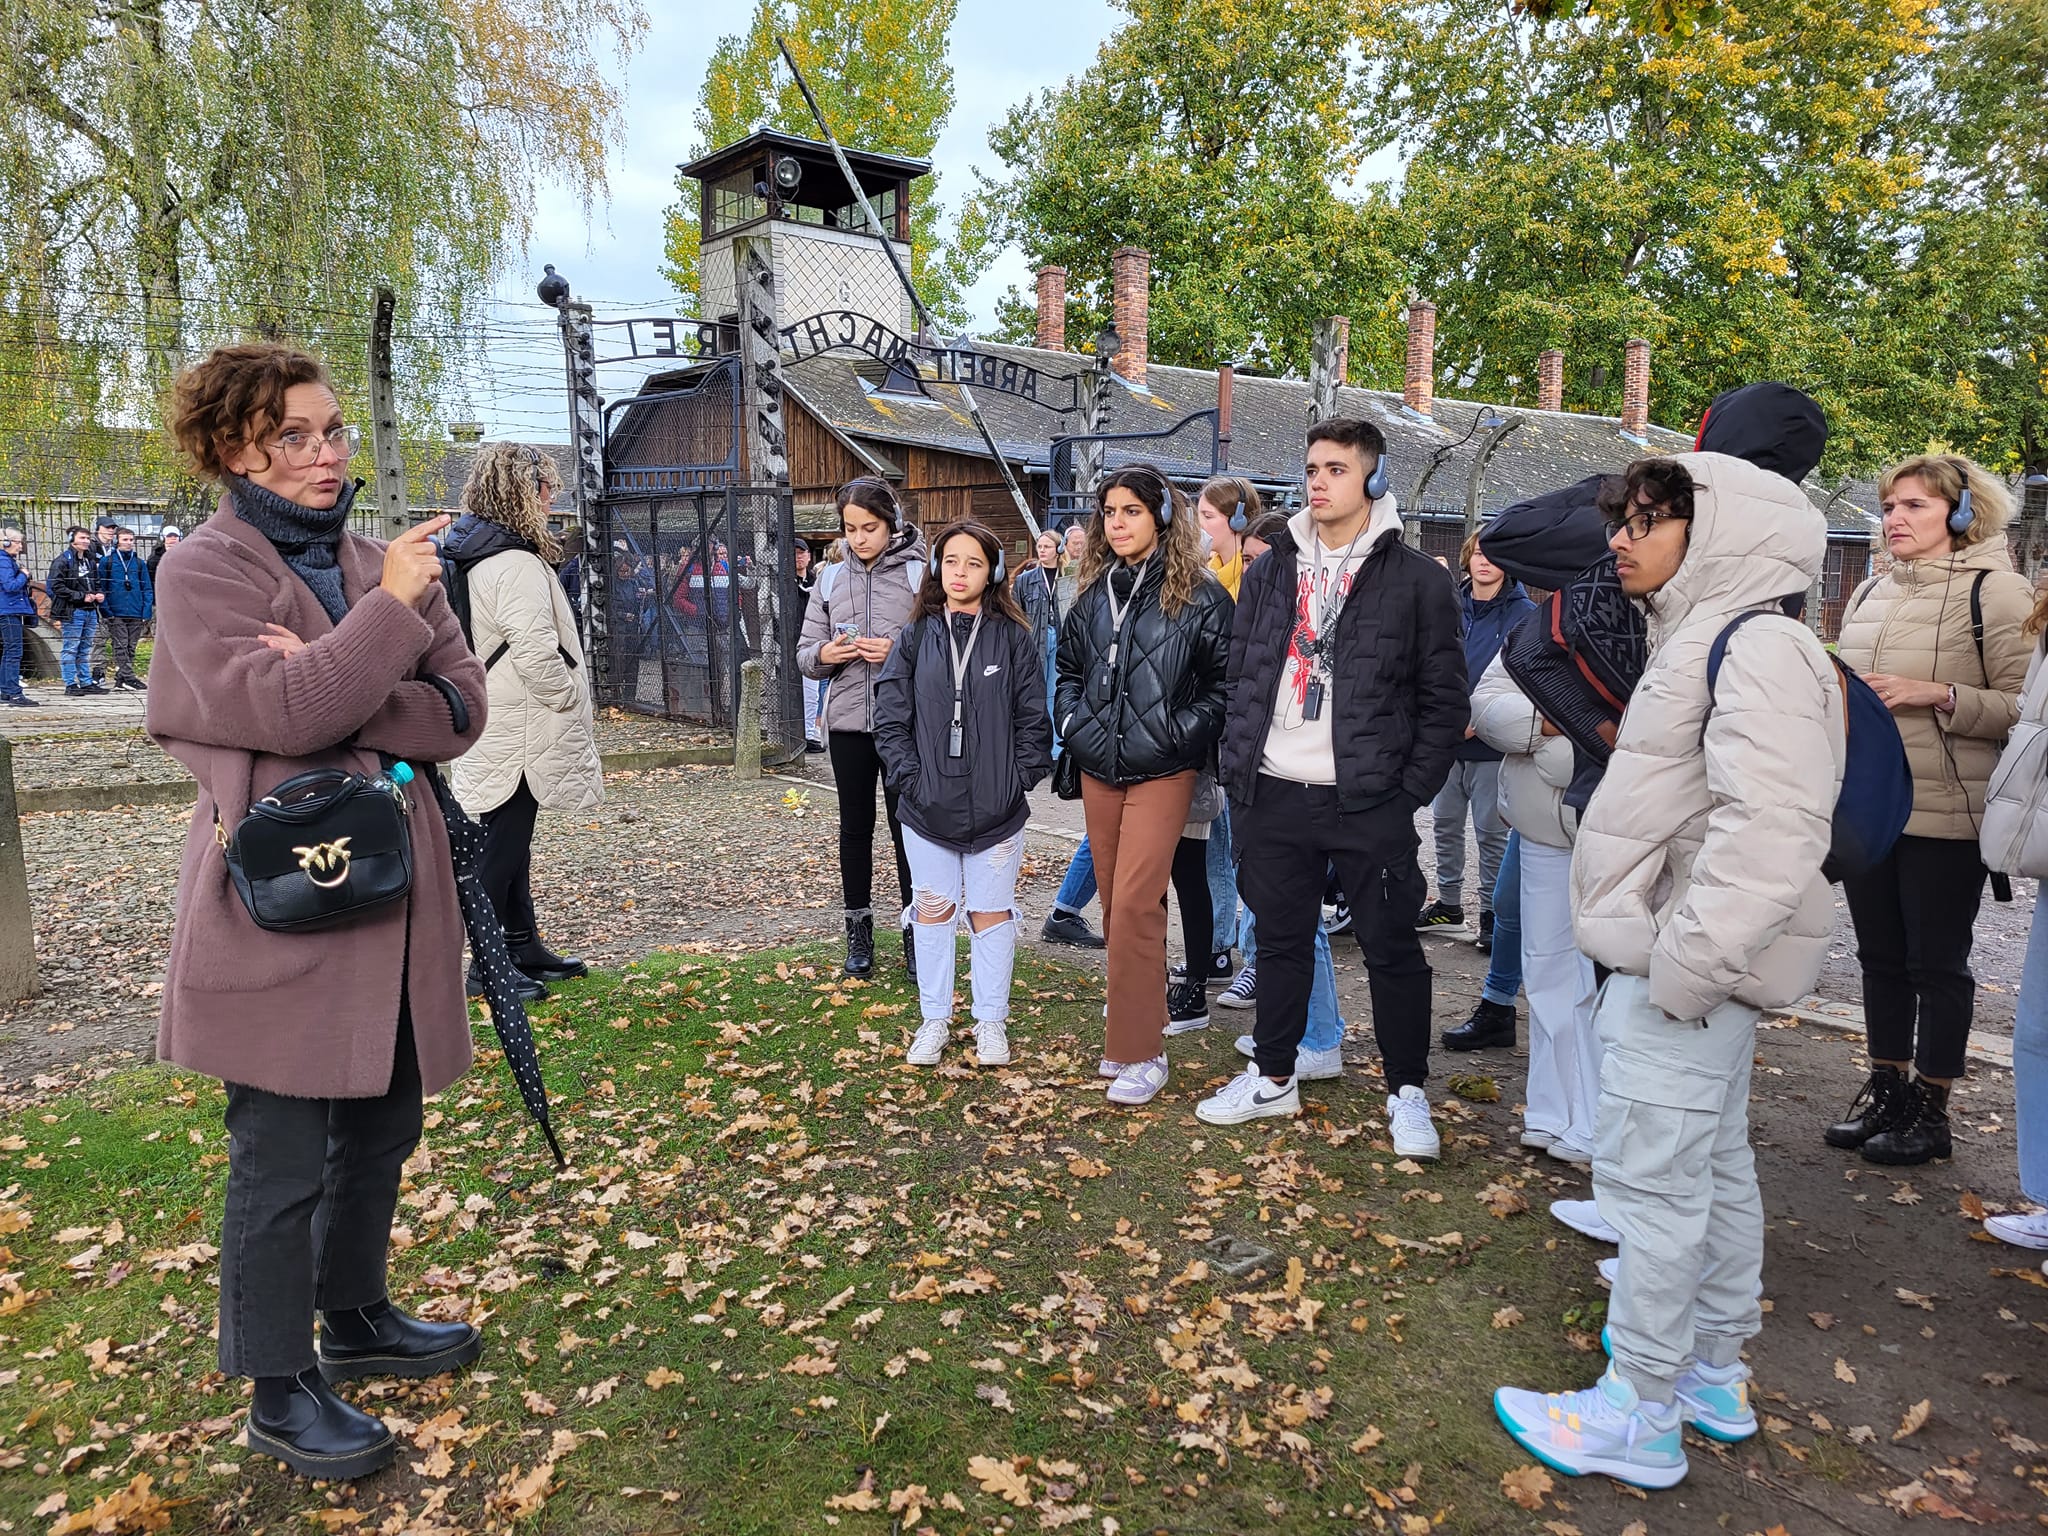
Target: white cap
[171, 532]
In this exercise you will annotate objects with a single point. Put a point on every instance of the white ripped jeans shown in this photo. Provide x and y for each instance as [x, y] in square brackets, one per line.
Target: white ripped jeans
[947, 889]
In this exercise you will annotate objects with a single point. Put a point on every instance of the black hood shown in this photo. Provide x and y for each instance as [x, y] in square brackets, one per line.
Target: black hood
[471, 538]
[1774, 426]
[1548, 540]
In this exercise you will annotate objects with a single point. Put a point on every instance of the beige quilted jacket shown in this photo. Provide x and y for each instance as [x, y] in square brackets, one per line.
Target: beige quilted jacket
[1698, 861]
[540, 718]
[1914, 621]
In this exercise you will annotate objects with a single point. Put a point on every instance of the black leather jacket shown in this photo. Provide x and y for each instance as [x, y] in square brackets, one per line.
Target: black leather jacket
[1160, 710]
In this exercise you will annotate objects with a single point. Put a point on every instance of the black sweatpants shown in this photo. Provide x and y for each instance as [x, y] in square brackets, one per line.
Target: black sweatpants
[1287, 836]
[1915, 917]
[856, 770]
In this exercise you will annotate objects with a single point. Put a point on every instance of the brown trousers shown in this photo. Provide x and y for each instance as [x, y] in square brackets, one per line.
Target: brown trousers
[1132, 832]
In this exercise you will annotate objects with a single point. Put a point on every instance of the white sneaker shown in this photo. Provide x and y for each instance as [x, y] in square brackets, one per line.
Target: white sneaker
[1108, 1068]
[1584, 1216]
[2020, 1231]
[1609, 1271]
[1605, 1429]
[992, 1042]
[1309, 1066]
[1138, 1082]
[1539, 1141]
[930, 1043]
[1412, 1131]
[1249, 1096]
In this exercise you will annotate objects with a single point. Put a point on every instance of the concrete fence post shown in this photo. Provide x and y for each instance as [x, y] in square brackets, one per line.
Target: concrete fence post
[17, 921]
[746, 742]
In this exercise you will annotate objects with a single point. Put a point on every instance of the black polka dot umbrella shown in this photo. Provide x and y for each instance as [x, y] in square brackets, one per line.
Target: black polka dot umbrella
[487, 942]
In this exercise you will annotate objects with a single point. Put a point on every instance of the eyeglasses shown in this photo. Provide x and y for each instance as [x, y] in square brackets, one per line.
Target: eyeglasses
[1637, 525]
[303, 448]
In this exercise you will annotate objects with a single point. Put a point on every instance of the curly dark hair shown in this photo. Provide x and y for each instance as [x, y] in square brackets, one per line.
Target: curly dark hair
[233, 398]
[1647, 484]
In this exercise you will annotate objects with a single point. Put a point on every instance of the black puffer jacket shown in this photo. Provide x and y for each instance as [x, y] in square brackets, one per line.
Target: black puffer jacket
[975, 800]
[1163, 709]
[1397, 673]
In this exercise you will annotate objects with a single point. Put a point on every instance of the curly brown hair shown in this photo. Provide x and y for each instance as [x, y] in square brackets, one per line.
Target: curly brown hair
[511, 484]
[1180, 540]
[234, 397]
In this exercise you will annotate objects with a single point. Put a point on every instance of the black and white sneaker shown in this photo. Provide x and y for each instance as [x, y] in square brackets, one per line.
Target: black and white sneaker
[1249, 1096]
[1243, 992]
[1338, 918]
[1485, 939]
[1439, 915]
[1187, 1007]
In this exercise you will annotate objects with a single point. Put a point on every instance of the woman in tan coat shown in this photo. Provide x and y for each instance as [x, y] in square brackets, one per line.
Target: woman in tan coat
[284, 644]
[1940, 636]
[539, 748]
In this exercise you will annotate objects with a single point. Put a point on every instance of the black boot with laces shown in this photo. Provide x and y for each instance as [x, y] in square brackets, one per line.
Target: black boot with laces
[860, 944]
[1875, 1108]
[1920, 1134]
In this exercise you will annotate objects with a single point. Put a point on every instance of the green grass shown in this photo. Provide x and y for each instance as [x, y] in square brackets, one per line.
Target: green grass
[973, 1264]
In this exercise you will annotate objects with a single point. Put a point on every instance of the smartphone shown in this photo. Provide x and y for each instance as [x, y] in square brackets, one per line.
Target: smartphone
[846, 631]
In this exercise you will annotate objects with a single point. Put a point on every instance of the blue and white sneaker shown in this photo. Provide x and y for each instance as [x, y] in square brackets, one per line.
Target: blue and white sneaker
[1713, 1399]
[1606, 1429]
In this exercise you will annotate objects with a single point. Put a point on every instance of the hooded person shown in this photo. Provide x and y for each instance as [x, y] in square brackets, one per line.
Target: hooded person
[1579, 665]
[1696, 880]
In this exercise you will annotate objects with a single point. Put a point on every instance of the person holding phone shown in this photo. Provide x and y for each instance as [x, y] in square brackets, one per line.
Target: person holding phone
[964, 735]
[857, 610]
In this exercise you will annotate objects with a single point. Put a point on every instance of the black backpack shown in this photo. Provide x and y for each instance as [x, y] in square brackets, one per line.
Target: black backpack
[455, 582]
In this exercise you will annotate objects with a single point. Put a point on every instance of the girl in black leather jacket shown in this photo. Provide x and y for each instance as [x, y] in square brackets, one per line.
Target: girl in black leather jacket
[1139, 704]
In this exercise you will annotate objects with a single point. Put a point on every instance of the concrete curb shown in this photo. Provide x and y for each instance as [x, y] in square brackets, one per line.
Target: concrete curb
[102, 797]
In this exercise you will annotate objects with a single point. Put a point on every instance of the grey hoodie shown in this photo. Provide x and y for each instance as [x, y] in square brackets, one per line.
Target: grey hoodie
[877, 599]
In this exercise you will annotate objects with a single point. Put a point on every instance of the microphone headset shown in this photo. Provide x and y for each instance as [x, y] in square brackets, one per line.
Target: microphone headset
[1965, 513]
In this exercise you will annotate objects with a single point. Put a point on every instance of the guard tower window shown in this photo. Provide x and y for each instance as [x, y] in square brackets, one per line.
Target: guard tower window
[851, 217]
[733, 201]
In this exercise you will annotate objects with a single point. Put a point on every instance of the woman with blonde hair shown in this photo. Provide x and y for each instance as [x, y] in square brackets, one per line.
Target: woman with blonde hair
[1941, 637]
[1139, 705]
[539, 747]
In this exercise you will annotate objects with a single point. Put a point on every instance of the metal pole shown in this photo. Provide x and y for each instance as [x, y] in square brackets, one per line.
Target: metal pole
[1088, 457]
[903, 277]
[586, 438]
[386, 453]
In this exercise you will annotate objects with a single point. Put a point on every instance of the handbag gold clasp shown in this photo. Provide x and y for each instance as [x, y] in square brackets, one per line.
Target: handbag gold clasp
[322, 858]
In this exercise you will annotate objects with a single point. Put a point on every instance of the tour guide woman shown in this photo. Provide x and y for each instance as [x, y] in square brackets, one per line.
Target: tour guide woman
[1139, 706]
[286, 643]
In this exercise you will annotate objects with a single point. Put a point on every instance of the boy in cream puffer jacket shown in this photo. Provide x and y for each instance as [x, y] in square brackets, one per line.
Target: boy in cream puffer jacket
[1696, 879]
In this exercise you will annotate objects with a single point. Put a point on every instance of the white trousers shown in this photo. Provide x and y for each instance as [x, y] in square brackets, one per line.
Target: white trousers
[1564, 1050]
[946, 885]
[1673, 1173]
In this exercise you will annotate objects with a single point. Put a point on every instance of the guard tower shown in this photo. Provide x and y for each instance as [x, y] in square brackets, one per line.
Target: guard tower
[826, 257]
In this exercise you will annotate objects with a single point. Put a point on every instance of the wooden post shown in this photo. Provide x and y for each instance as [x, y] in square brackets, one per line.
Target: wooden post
[386, 452]
[586, 437]
[1328, 358]
[746, 737]
[17, 918]
[760, 362]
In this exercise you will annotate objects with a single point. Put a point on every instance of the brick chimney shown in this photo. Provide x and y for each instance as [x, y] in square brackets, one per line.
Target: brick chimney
[1635, 390]
[1419, 393]
[1130, 274]
[1052, 309]
[1550, 380]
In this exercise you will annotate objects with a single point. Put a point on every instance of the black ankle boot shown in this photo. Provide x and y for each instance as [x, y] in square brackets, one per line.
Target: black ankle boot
[910, 954]
[1492, 1024]
[539, 962]
[860, 944]
[300, 1421]
[1875, 1108]
[1919, 1134]
[380, 1340]
[522, 984]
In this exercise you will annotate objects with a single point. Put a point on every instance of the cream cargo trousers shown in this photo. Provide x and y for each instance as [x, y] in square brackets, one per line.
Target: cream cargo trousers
[1673, 1173]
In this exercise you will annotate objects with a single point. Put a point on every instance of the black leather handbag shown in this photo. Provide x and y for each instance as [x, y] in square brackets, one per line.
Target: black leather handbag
[1066, 777]
[321, 849]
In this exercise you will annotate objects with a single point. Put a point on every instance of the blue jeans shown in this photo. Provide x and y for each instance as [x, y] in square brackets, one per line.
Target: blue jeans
[1325, 1024]
[1078, 889]
[10, 656]
[1504, 969]
[75, 661]
[1222, 884]
[2030, 1066]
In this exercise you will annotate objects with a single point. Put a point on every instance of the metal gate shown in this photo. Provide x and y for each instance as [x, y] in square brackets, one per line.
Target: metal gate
[703, 581]
[1189, 450]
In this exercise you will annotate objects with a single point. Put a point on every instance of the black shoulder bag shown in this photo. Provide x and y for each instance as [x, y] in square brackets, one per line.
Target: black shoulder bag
[322, 848]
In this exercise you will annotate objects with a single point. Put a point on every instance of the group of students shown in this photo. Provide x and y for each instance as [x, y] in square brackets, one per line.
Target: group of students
[1652, 757]
[98, 579]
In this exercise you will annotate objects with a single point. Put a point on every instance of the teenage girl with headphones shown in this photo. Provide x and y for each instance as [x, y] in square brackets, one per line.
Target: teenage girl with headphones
[1941, 637]
[1139, 702]
[963, 733]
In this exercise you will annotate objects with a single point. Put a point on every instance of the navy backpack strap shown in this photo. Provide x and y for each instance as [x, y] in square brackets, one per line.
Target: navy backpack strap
[1718, 651]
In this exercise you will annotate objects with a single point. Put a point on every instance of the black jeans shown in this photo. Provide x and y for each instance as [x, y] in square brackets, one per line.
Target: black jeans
[312, 1185]
[505, 871]
[856, 770]
[1290, 833]
[1915, 917]
[1197, 907]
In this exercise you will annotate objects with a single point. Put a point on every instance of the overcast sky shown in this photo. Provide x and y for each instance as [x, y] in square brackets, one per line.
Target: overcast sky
[1001, 52]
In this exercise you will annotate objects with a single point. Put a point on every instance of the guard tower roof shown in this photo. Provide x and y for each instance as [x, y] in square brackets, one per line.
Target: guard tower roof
[815, 155]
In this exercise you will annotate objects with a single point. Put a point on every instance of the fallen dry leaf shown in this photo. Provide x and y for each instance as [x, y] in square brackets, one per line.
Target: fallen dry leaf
[1915, 1417]
[1087, 1168]
[133, 1508]
[1635, 1528]
[1373, 1436]
[1822, 1320]
[1000, 1478]
[519, 1496]
[1526, 1486]
[1844, 1371]
[863, 1498]
[1507, 1317]
[661, 1376]
[1914, 1299]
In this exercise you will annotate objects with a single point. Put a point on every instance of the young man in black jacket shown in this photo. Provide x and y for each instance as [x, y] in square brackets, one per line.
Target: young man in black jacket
[1347, 705]
[76, 601]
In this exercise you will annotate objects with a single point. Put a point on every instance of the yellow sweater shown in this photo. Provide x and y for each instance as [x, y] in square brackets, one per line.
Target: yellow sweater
[1230, 573]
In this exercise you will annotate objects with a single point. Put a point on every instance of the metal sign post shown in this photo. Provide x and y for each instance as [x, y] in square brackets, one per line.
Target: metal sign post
[386, 453]
[586, 438]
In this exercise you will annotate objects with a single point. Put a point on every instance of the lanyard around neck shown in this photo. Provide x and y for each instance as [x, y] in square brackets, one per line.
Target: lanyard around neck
[1117, 610]
[960, 659]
